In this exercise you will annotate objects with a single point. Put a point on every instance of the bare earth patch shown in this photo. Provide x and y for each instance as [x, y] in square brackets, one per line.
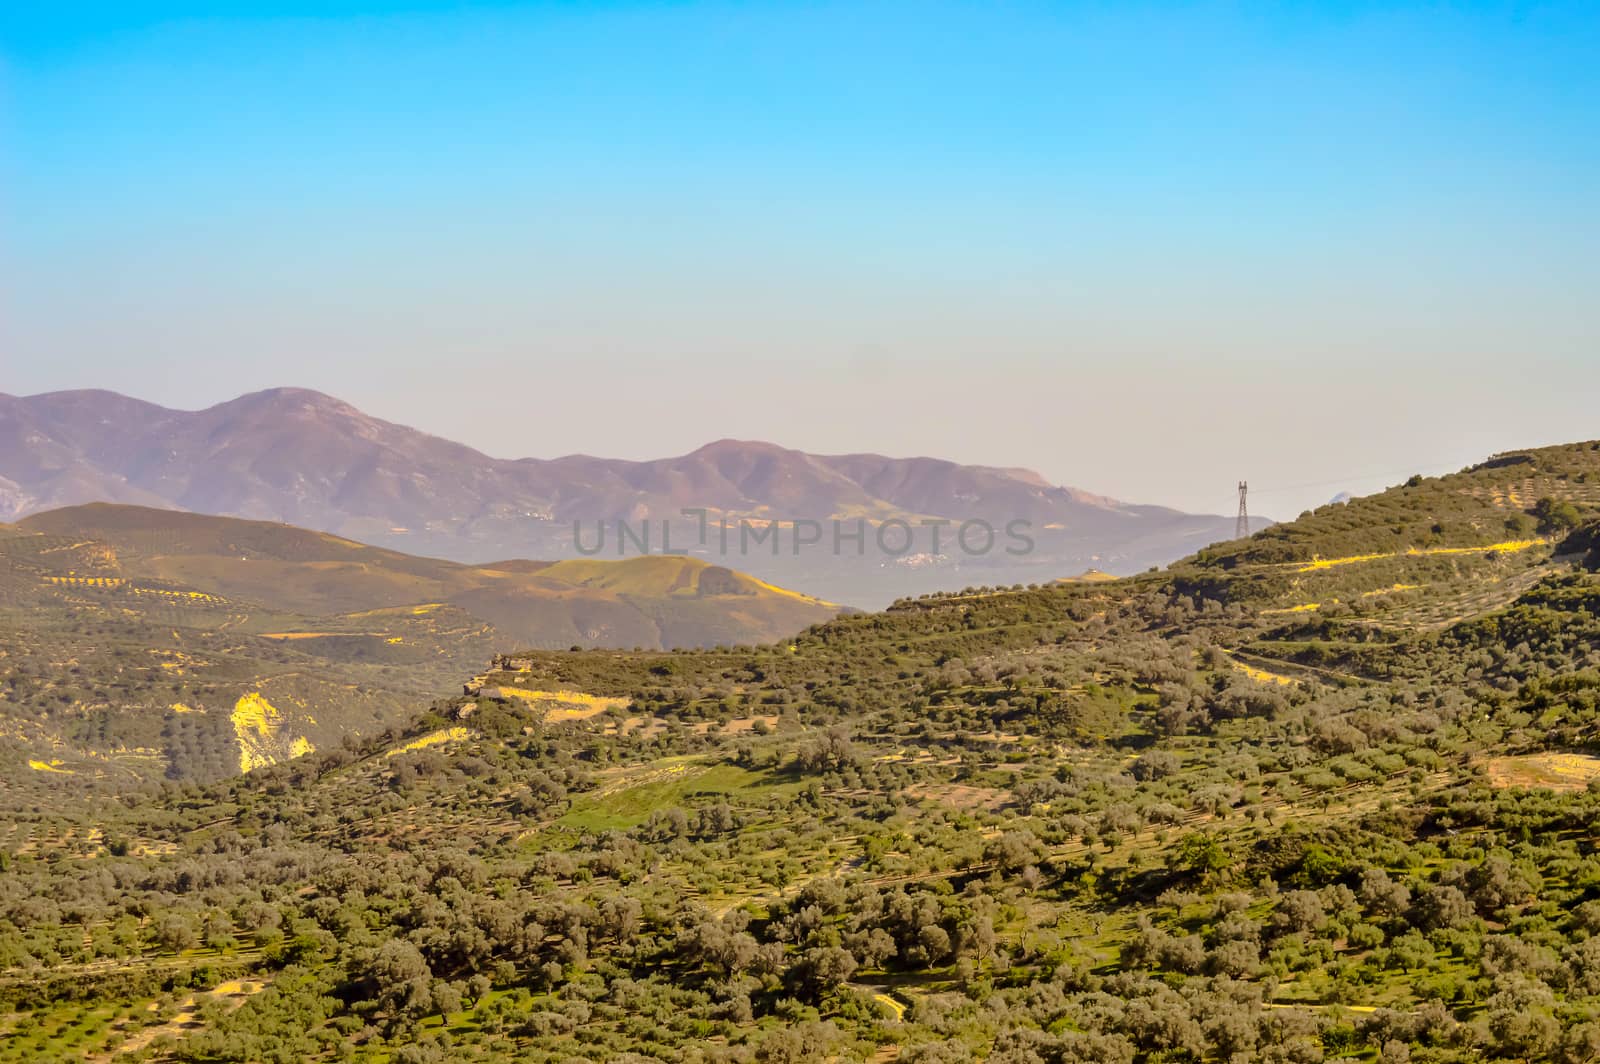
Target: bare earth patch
[1553, 771]
[187, 1019]
[741, 725]
[961, 796]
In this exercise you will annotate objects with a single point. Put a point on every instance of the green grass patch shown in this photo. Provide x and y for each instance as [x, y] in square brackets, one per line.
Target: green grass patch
[688, 785]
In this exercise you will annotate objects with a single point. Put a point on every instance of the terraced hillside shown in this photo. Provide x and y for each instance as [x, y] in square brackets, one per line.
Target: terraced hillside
[1324, 794]
[149, 644]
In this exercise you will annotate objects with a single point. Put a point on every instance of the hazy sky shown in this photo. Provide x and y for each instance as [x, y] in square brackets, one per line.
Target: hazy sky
[1146, 250]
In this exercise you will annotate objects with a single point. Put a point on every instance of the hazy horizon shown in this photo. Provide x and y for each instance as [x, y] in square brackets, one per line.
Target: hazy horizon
[1145, 251]
[1365, 482]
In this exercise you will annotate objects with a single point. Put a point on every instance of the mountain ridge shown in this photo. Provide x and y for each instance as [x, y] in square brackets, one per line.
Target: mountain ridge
[160, 627]
[158, 543]
[312, 460]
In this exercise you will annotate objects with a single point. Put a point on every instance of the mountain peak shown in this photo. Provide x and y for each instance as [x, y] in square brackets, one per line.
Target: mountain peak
[80, 395]
[729, 445]
[84, 401]
[291, 397]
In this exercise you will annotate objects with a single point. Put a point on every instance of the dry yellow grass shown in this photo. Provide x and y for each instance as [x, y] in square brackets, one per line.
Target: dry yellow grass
[1328, 563]
[633, 778]
[86, 581]
[291, 636]
[434, 738]
[52, 765]
[1391, 589]
[255, 725]
[786, 593]
[1508, 547]
[419, 610]
[193, 596]
[238, 987]
[1549, 771]
[1262, 675]
[566, 705]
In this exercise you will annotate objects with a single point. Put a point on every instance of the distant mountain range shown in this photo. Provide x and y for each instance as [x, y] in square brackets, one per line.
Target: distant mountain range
[307, 459]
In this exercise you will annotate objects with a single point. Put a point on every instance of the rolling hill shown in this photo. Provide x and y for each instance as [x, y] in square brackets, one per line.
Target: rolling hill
[296, 456]
[1329, 792]
[142, 642]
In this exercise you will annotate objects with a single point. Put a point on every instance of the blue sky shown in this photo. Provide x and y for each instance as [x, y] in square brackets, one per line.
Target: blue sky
[1146, 249]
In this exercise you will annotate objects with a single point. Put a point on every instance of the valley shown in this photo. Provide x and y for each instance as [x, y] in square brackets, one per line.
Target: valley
[799, 533]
